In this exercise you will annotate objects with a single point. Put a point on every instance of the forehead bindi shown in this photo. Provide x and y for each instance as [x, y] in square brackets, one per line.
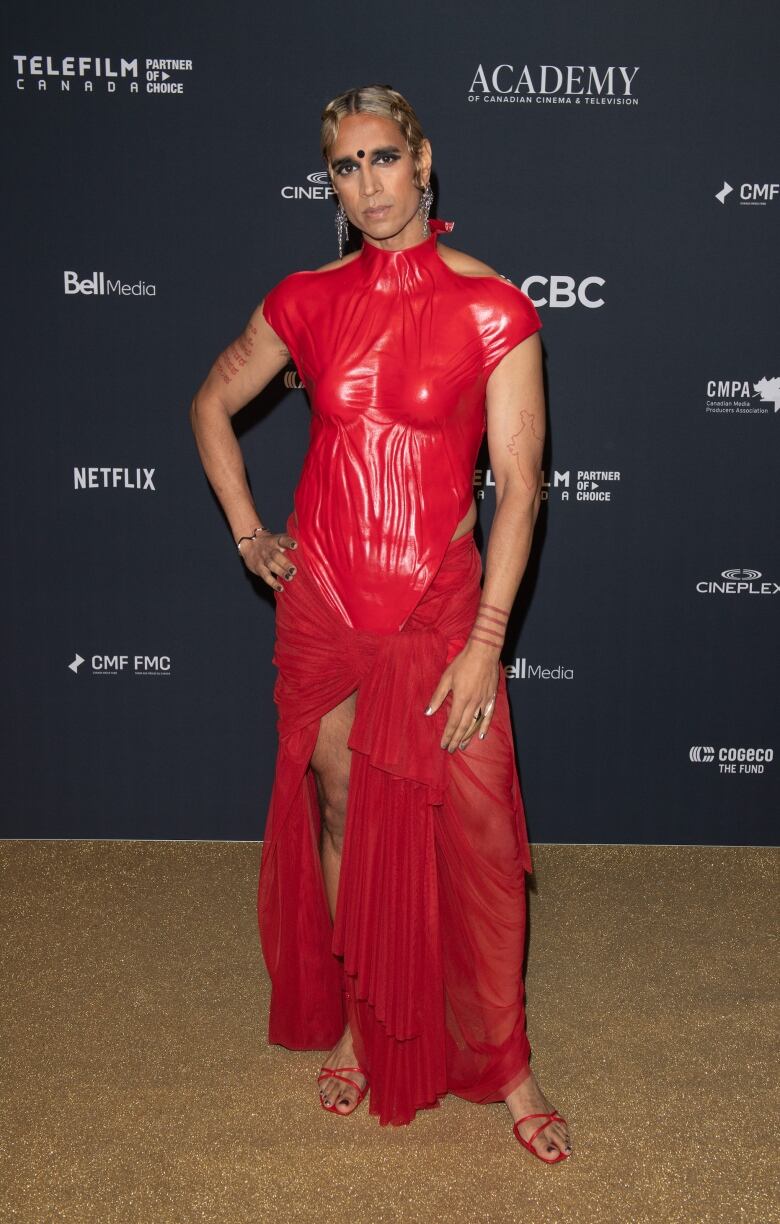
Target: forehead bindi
[358, 135]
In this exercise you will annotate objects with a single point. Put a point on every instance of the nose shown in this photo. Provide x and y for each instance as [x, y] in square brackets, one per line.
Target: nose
[369, 184]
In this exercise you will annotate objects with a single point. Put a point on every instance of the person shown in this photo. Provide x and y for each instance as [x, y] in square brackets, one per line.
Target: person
[391, 898]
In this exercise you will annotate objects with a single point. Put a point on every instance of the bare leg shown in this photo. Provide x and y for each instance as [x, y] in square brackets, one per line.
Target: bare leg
[330, 764]
[529, 1098]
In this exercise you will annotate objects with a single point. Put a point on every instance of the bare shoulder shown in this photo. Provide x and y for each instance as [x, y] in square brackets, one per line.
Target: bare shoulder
[463, 264]
[338, 263]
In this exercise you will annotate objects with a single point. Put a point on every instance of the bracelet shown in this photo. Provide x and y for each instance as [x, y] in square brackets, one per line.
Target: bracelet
[253, 536]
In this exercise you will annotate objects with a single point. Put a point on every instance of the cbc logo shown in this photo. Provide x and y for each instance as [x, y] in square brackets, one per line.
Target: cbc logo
[564, 291]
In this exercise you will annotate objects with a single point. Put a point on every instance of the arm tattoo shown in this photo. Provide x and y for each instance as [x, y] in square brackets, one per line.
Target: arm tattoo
[234, 358]
[526, 420]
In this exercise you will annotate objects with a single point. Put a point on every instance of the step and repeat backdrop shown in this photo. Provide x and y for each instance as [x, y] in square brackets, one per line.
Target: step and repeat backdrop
[619, 163]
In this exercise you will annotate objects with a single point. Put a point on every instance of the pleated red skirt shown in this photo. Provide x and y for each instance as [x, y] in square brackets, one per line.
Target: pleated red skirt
[429, 930]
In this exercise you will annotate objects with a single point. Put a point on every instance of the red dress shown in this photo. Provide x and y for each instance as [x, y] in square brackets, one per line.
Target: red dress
[394, 349]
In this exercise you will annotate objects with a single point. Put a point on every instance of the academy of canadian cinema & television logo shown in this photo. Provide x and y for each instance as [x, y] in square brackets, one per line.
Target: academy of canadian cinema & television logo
[541, 84]
[64, 74]
[742, 397]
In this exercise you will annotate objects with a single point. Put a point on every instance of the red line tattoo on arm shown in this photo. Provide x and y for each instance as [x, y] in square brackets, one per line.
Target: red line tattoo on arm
[230, 362]
[527, 420]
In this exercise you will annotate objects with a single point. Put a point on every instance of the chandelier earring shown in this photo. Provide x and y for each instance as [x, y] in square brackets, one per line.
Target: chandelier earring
[342, 228]
[426, 199]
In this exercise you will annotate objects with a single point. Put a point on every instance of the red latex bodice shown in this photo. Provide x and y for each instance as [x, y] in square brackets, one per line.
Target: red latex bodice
[394, 349]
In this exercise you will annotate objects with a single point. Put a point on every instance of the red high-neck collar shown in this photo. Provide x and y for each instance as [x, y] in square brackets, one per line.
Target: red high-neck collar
[379, 257]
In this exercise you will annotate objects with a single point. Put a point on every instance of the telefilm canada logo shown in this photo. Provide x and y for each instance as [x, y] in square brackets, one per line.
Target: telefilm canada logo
[64, 74]
[738, 582]
[122, 665]
[751, 194]
[582, 485]
[100, 285]
[317, 187]
[543, 84]
[732, 760]
[741, 397]
[139, 479]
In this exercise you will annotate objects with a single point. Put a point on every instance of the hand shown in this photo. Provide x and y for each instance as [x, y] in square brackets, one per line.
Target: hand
[472, 676]
[265, 556]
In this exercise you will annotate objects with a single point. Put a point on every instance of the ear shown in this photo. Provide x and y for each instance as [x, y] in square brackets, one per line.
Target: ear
[424, 163]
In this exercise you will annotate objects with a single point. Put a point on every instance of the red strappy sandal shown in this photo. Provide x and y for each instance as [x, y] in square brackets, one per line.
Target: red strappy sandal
[335, 1073]
[554, 1116]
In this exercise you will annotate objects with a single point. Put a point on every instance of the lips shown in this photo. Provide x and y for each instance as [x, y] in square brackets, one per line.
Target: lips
[373, 213]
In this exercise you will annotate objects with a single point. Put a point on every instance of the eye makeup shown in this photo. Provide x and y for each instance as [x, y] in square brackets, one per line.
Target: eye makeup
[388, 154]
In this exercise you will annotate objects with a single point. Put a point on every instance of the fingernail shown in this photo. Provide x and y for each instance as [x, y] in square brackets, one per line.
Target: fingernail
[429, 710]
[482, 735]
[278, 586]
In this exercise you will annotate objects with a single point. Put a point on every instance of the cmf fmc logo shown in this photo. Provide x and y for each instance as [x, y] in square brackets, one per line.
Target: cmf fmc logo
[318, 187]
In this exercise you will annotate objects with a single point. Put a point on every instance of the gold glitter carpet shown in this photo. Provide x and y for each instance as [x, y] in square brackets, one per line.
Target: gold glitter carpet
[138, 1085]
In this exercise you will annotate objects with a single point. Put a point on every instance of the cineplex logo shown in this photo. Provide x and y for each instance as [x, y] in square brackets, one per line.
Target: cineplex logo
[732, 760]
[114, 478]
[750, 193]
[98, 73]
[584, 486]
[318, 187]
[521, 669]
[570, 85]
[738, 582]
[98, 283]
[732, 397]
[122, 664]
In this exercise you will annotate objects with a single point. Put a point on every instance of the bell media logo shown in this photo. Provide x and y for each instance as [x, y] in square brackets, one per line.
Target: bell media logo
[567, 85]
[98, 284]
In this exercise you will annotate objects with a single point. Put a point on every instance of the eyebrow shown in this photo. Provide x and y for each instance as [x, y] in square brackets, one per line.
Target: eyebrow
[345, 161]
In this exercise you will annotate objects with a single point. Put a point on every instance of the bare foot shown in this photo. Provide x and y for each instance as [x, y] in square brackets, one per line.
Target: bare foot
[529, 1098]
[336, 1091]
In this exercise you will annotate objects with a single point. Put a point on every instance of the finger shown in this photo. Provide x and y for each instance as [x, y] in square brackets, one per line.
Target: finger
[458, 723]
[286, 541]
[282, 565]
[490, 710]
[439, 693]
[270, 578]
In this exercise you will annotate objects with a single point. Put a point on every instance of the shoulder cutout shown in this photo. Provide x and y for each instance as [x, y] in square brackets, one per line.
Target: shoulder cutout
[463, 264]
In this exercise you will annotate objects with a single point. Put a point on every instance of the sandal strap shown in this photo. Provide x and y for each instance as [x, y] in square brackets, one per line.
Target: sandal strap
[554, 1116]
[335, 1073]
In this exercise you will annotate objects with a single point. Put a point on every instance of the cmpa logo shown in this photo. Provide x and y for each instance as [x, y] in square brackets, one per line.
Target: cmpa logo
[738, 582]
[573, 84]
[318, 187]
[732, 760]
[89, 72]
[563, 292]
[119, 664]
[750, 193]
[733, 397]
[586, 485]
[98, 283]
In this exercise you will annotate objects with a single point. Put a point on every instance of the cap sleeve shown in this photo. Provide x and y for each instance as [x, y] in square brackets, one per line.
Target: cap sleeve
[280, 311]
[512, 319]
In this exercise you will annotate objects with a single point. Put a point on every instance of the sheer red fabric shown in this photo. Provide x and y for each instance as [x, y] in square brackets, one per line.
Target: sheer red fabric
[430, 922]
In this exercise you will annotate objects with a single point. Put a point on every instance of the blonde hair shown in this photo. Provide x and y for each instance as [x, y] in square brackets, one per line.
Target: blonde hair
[379, 100]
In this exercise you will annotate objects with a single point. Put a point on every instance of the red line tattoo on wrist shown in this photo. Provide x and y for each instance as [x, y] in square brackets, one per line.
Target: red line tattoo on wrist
[493, 608]
[475, 638]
